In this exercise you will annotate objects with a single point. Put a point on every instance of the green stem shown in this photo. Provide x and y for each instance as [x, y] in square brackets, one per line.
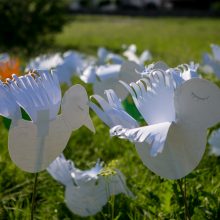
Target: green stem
[183, 192]
[33, 202]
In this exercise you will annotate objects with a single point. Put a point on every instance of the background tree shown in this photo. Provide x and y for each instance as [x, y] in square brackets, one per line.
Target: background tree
[31, 23]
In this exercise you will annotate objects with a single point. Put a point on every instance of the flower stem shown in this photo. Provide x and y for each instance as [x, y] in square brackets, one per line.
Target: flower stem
[33, 202]
[183, 192]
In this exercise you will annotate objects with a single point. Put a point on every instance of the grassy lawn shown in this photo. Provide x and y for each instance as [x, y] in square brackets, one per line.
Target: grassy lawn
[174, 41]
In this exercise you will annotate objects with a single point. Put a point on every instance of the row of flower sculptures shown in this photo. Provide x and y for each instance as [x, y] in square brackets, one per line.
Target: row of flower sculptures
[175, 103]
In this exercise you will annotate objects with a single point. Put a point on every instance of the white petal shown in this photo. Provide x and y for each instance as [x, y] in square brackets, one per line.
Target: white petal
[83, 176]
[102, 54]
[156, 104]
[89, 75]
[155, 135]
[111, 112]
[108, 72]
[37, 92]
[60, 169]
[145, 56]
[8, 107]
[114, 58]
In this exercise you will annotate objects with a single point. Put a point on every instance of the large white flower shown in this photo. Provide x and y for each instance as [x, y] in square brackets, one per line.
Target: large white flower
[86, 192]
[173, 142]
[177, 121]
[33, 145]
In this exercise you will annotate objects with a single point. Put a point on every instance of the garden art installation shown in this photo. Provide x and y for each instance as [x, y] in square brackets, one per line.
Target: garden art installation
[86, 192]
[176, 106]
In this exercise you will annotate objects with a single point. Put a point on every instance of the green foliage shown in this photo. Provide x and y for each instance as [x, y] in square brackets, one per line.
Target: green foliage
[173, 40]
[30, 23]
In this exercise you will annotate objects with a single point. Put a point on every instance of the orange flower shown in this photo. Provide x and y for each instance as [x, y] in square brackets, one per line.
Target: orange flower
[8, 67]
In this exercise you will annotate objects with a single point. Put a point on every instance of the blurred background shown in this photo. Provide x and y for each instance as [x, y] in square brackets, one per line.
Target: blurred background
[31, 24]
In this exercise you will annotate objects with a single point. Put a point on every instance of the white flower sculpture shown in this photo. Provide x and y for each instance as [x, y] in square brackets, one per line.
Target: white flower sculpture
[105, 56]
[86, 192]
[131, 55]
[107, 77]
[33, 145]
[173, 142]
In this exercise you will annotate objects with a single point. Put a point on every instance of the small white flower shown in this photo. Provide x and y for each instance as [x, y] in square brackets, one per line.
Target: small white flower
[131, 55]
[105, 56]
[86, 192]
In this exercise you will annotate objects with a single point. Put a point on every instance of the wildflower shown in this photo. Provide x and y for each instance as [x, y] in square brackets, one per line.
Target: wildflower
[86, 192]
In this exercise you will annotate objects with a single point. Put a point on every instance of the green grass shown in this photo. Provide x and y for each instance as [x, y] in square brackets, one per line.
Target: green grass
[173, 40]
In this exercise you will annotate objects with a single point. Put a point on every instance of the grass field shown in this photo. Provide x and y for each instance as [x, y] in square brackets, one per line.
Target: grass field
[173, 40]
